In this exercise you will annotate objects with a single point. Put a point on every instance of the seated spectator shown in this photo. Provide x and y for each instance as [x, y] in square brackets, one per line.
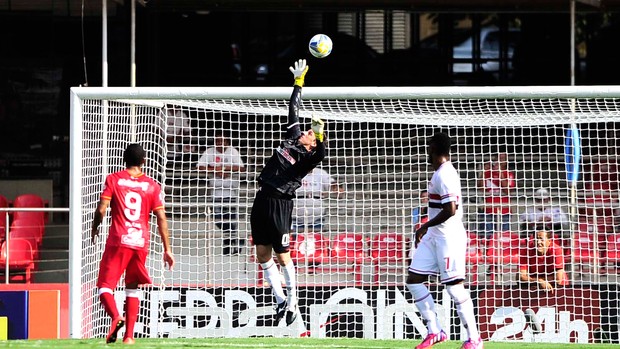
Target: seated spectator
[541, 263]
[309, 212]
[544, 214]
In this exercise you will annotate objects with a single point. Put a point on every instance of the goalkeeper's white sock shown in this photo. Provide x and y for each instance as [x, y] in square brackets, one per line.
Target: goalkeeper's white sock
[426, 305]
[465, 309]
[272, 274]
[291, 284]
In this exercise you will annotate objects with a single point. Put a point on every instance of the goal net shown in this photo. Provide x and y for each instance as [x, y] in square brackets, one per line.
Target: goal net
[531, 159]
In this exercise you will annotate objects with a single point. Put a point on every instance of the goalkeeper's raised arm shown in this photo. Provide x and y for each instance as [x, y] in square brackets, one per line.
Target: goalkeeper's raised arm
[271, 217]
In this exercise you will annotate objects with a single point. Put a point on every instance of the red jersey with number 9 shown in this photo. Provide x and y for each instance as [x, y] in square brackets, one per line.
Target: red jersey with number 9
[131, 201]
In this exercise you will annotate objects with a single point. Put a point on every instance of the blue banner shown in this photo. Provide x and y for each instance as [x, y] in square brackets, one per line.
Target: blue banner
[572, 152]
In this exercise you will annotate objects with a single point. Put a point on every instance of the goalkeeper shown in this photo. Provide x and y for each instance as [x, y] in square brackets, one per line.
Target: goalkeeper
[292, 160]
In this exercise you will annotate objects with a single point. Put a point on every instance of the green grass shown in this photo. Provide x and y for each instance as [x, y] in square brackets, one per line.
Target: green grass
[275, 343]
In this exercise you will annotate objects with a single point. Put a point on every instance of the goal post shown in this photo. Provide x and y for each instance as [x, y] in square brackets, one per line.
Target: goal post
[562, 139]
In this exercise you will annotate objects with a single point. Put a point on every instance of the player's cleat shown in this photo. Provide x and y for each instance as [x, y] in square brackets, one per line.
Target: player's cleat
[432, 339]
[280, 311]
[473, 344]
[291, 315]
[129, 341]
[117, 324]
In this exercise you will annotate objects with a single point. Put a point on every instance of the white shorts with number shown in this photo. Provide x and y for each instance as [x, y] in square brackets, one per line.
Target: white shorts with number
[440, 255]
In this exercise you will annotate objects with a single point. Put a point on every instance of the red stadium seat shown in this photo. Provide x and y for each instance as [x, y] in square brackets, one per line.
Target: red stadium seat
[503, 250]
[349, 249]
[308, 249]
[388, 251]
[3, 215]
[30, 222]
[584, 251]
[19, 259]
[612, 255]
[27, 232]
[474, 255]
[29, 201]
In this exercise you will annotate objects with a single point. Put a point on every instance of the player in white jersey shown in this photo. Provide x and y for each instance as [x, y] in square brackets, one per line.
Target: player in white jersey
[441, 244]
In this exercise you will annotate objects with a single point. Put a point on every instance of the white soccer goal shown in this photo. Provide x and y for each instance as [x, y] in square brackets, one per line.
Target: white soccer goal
[352, 264]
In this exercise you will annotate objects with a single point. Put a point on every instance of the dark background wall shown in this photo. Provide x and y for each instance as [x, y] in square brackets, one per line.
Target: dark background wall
[45, 52]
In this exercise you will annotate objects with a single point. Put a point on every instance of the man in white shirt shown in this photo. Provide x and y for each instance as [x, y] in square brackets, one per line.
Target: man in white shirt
[544, 215]
[224, 165]
[309, 210]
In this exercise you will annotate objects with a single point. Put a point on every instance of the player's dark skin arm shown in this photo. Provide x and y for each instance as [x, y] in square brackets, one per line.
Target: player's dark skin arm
[448, 210]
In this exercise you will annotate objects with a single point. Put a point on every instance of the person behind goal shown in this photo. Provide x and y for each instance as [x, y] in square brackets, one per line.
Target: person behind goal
[271, 216]
[132, 196]
[441, 244]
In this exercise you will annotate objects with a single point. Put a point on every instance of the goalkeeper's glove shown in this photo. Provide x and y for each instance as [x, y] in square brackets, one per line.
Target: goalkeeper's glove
[318, 127]
[299, 72]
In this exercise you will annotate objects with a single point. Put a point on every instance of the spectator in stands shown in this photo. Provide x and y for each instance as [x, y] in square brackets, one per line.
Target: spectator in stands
[497, 181]
[542, 263]
[543, 213]
[271, 217]
[440, 244]
[178, 133]
[132, 196]
[223, 165]
[309, 210]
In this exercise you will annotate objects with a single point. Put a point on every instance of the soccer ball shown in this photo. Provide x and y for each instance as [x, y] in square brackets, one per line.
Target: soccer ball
[320, 46]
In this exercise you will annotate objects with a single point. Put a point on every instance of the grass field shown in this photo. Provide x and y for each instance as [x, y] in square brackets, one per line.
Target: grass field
[297, 343]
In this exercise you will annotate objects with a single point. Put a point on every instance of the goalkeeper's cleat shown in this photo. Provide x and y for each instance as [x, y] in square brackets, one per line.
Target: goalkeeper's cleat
[291, 315]
[432, 339]
[117, 324]
[280, 311]
[129, 341]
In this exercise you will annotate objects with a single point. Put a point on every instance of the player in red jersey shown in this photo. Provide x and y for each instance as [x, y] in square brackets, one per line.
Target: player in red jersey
[132, 196]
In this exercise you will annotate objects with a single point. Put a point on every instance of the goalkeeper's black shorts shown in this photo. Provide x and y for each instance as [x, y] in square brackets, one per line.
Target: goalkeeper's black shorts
[271, 220]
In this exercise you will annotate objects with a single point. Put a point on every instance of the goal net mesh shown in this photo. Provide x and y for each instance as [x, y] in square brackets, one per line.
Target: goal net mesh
[351, 235]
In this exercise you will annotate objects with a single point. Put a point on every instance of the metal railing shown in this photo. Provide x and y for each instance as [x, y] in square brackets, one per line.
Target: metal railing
[8, 230]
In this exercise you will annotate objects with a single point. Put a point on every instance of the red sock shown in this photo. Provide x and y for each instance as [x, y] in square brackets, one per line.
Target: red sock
[132, 306]
[107, 300]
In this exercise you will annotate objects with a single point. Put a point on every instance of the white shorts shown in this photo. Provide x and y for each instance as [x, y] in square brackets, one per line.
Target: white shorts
[438, 255]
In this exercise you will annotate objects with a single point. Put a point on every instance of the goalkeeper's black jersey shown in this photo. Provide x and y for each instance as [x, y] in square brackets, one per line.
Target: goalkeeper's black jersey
[291, 161]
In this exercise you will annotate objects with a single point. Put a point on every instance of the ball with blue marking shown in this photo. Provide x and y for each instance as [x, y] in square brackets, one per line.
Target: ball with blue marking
[320, 46]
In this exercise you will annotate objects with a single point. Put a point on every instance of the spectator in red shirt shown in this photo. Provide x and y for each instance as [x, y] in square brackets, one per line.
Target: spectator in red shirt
[497, 182]
[132, 196]
[542, 263]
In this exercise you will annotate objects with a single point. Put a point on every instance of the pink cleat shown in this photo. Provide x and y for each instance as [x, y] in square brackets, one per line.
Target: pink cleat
[473, 344]
[432, 339]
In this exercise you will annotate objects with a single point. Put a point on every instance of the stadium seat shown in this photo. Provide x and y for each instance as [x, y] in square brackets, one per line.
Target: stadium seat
[30, 233]
[32, 224]
[474, 255]
[29, 201]
[612, 255]
[349, 249]
[584, 255]
[388, 251]
[308, 249]
[19, 259]
[3, 203]
[503, 250]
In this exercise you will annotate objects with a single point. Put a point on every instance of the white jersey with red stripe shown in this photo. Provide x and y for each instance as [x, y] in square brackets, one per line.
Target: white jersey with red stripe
[445, 186]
